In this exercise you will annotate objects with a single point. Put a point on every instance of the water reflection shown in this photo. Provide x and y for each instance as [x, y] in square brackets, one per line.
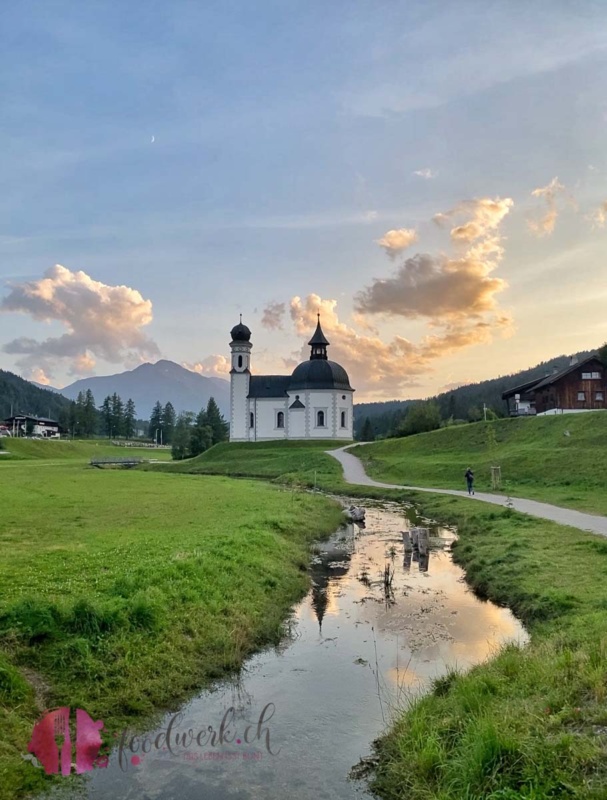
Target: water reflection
[377, 625]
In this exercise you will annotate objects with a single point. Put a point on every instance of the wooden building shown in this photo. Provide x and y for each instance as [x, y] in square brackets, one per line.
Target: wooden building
[582, 386]
[30, 425]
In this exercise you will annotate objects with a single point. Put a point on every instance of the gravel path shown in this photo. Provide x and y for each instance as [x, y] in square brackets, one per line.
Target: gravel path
[354, 472]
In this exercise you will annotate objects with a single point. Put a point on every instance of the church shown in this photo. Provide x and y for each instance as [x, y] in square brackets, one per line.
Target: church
[314, 402]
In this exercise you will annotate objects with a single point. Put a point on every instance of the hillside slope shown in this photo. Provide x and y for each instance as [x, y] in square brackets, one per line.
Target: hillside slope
[561, 459]
[18, 395]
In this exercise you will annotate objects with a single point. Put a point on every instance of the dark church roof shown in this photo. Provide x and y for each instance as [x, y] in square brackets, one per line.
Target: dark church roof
[319, 337]
[269, 385]
[240, 332]
[319, 374]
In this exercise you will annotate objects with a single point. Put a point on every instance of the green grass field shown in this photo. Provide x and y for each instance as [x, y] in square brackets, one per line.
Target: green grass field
[561, 460]
[59, 450]
[123, 591]
[285, 462]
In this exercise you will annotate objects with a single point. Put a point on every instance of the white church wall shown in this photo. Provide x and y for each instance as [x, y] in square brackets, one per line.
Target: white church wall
[297, 423]
[239, 389]
[266, 413]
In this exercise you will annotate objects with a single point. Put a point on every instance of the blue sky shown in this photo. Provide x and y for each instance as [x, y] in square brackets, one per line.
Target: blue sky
[286, 138]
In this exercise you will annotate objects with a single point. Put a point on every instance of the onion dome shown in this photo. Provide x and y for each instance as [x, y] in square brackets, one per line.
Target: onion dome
[240, 332]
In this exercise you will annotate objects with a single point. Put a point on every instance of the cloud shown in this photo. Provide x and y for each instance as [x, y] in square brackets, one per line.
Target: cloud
[447, 289]
[484, 217]
[544, 225]
[273, 315]
[102, 321]
[425, 173]
[374, 366]
[215, 366]
[599, 216]
[40, 376]
[396, 241]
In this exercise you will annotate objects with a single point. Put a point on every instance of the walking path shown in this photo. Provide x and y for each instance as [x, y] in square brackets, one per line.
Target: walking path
[354, 472]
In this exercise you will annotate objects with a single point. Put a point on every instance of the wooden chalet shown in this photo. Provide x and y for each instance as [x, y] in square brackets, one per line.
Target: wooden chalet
[31, 425]
[581, 386]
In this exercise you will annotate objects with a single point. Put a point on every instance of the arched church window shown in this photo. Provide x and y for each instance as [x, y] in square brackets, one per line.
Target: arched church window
[251, 420]
[239, 362]
[320, 419]
[343, 419]
[280, 420]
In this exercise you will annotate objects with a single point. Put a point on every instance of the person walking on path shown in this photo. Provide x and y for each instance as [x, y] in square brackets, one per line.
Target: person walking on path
[470, 480]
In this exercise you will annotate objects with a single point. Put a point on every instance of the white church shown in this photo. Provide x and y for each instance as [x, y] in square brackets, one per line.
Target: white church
[314, 402]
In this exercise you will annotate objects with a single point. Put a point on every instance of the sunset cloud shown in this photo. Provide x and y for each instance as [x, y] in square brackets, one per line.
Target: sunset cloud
[425, 173]
[544, 224]
[374, 366]
[599, 216]
[214, 366]
[273, 315]
[102, 321]
[443, 288]
[396, 241]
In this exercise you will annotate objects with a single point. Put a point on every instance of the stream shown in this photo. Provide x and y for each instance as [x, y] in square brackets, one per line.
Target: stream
[300, 716]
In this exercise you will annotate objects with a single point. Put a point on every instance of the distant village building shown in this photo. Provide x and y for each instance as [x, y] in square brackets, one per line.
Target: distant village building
[581, 386]
[30, 425]
[314, 402]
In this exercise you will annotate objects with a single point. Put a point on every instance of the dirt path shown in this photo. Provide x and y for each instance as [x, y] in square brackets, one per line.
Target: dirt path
[354, 472]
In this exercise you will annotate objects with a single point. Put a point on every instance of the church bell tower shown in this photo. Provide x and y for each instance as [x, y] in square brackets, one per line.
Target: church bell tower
[240, 375]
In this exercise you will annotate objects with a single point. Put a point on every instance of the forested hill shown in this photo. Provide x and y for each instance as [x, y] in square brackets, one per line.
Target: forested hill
[464, 403]
[21, 395]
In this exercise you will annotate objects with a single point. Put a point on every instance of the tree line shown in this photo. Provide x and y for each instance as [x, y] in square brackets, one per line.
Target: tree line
[189, 434]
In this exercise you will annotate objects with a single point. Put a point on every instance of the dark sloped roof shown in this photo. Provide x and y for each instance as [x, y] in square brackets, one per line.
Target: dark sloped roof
[550, 379]
[269, 385]
[319, 337]
[296, 403]
[523, 387]
[319, 374]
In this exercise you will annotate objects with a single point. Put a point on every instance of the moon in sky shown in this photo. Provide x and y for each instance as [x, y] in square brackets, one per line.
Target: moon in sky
[153, 140]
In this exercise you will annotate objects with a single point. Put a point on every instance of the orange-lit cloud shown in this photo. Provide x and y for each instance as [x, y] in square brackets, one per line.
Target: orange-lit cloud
[454, 290]
[599, 216]
[215, 366]
[396, 241]
[544, 224]
[102, 321]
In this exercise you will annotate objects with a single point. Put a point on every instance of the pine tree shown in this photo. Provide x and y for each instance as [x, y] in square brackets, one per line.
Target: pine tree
[367, 434]
[117, 416]
[89, 415]
[182, 434]
[80, 414]
[73, 419]
[202, 434]
[216, 422]
[106, 416]
[129, 419]
[155, 426]
[168, 423]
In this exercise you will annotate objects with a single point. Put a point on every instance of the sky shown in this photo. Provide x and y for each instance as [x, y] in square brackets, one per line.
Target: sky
[429, 176]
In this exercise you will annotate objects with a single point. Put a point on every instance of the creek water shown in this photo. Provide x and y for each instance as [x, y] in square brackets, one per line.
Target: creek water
[306, 712]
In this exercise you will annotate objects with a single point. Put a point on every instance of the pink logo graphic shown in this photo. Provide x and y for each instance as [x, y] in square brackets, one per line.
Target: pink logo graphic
[51, 742]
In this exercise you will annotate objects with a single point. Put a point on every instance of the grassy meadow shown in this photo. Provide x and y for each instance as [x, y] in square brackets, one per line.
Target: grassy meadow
[51, 450]
[532, 722]
[560, 459]
[124, 590]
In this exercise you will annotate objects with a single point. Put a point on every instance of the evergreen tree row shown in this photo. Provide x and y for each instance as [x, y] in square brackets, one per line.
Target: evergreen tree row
[118, 418]
[193, 435]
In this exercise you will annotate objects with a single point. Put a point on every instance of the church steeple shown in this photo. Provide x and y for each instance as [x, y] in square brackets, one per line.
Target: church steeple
[318, 343]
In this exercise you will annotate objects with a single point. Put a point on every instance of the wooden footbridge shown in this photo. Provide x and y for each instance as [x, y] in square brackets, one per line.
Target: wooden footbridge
[121, 463]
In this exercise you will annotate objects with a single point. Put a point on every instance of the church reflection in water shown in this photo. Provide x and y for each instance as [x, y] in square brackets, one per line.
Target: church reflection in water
[329, 565]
